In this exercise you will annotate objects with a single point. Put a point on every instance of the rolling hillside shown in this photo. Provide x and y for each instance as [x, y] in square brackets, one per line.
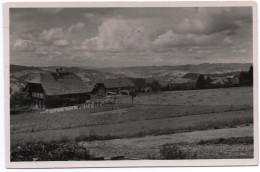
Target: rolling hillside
[19, 75]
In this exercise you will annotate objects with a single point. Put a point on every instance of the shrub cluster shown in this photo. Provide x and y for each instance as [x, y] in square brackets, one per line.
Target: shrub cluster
[40, 151]
[172, 151]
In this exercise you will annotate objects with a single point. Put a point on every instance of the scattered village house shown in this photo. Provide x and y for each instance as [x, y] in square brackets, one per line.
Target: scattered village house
[114, 86]
[226, 81]
[57, 89]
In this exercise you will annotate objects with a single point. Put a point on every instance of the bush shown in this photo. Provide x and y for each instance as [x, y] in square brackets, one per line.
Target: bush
[53, 151]
[172, 151]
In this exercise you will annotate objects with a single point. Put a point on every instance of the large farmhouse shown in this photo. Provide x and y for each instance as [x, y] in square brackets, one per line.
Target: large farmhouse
[57, 89]
[113, 86]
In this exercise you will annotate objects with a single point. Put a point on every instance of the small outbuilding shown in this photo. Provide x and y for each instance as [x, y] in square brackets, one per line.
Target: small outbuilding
[114, 87]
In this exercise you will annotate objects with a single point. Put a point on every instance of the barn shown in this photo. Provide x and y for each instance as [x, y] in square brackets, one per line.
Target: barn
[57, 89]
[113, 87]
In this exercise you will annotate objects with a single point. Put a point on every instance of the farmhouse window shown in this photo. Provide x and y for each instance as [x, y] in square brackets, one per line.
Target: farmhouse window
[40, 95]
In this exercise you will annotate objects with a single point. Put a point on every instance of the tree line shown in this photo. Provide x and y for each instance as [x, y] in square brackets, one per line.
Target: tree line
[245, 78]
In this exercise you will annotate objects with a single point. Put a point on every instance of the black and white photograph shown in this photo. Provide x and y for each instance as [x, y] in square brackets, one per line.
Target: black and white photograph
[112, 84]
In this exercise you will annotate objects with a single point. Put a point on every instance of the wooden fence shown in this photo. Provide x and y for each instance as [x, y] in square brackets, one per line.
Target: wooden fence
[87, 105]
[96, 104]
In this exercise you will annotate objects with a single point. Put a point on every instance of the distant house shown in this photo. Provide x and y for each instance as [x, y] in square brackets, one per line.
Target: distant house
[57, 89]
[113, 87]
[235, 81]
[218, 82]
[226, 81]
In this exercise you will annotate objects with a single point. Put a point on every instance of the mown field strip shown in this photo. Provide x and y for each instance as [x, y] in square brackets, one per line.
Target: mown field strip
[143, 127]
[137, 146]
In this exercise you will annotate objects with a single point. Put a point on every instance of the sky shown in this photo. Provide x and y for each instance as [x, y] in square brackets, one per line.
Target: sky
[123, 37]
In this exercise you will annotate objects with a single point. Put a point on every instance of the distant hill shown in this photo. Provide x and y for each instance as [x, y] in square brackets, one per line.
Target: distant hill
[19, 75]
[192, 76]
[181, 71]
[204, 68]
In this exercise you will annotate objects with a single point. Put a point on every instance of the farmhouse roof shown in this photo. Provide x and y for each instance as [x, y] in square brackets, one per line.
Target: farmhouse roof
[118, 83]
[68, 83]
[35, 80]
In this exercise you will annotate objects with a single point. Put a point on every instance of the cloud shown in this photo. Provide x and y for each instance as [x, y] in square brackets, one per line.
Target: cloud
[192, 49]
[204, 52]
[26, 36]
[214, 20]
[171, 39]
[42, 51]
[58, 53]
[242, 51]
[118, 35]
[52, 34]
[130, 36]
[76, 27]
[50, 51]
[231, 33]
[23, 45]
[50, 10]
[61, 43]
[88, 15]
[227, 40]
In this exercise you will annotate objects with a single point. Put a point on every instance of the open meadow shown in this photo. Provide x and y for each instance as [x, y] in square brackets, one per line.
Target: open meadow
[172, 120]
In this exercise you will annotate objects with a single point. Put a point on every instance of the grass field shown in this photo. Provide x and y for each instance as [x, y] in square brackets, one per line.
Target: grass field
[209, 97]
[175, 112]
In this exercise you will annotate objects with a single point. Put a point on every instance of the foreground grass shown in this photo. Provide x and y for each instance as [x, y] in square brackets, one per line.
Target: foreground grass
[220, 148]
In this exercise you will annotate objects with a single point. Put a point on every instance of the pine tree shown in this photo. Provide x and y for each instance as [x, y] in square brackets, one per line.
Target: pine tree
[250, 74]
[200, 82]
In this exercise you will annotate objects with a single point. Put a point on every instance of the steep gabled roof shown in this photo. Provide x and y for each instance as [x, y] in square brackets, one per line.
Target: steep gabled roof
[67, 84]
[118, 83]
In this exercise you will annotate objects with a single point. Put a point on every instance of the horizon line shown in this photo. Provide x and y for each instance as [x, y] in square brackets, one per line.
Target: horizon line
[123, 67]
